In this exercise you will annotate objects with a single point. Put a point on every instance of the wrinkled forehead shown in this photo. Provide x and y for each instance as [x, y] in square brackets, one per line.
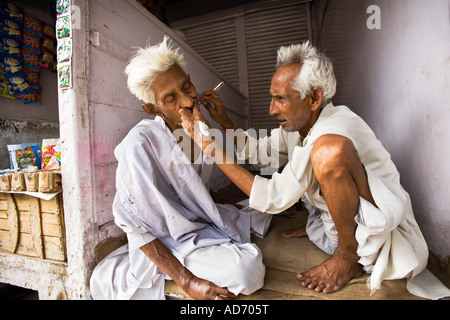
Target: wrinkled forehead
[172, 79]
[283, 78]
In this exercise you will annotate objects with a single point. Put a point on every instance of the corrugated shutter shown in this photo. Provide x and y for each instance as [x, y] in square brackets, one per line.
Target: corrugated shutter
[216, 43]
[265, 31]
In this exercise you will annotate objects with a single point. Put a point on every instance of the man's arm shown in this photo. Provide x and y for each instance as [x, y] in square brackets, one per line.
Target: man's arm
[242, 178]
[197, 288]
[217, 112]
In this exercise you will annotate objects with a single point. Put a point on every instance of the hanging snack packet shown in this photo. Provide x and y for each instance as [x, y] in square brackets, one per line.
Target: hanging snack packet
[8, 5]
[36, 96]
[30, 57]
[11, 64]
[49, 31]
[49, 44]
[13, 15]
[33, 74]
[11, 47]
[19, 83]
[12, 51]
[10, 27]
[10, 42]
[32, 24]
[31, 40]
[5, 86]
[47, 60]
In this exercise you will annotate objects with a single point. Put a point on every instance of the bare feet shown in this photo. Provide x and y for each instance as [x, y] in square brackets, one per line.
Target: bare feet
[295, 233]
[333, 274]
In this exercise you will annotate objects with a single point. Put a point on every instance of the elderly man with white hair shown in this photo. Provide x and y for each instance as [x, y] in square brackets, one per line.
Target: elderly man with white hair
[174, 228]
[359, 213]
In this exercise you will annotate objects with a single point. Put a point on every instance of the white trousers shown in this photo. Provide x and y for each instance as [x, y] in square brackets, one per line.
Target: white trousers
[238, 267]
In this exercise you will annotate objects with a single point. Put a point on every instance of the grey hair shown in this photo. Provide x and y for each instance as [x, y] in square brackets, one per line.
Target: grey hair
[316, 70]
[147, 63]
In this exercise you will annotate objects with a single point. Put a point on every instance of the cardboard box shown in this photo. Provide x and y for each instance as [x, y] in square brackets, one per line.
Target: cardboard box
[32, 181]
[18, 182]
[49, 181]
[5, 182]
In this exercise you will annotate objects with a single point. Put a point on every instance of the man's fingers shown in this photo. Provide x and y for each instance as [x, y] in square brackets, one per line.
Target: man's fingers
[208, 94]
[198, 116]
[225, 294]
[207, 105]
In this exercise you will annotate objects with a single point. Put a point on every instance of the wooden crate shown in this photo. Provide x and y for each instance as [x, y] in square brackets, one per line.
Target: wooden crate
[32, 227]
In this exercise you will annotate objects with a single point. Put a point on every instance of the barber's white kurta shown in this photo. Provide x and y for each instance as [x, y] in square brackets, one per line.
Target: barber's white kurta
[161, 195]
[391, 245]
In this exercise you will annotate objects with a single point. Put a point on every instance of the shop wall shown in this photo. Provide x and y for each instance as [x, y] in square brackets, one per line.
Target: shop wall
[396, 78]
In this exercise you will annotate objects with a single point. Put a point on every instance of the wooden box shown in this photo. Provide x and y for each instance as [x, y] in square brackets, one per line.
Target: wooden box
[32, 227]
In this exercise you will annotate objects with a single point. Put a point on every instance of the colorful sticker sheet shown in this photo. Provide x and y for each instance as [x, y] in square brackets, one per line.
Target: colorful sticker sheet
[64, 43]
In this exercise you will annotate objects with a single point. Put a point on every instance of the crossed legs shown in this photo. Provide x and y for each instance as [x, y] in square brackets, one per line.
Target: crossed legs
[342, 180]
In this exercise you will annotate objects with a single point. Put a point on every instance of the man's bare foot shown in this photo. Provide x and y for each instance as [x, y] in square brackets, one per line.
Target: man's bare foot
[331, 275]
[295, 233]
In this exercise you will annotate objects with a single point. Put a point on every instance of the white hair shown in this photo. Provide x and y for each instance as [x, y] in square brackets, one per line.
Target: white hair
[147, 63]
[316, 70]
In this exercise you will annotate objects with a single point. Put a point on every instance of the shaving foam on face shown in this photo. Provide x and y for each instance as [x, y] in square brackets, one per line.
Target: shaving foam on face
[204, 129]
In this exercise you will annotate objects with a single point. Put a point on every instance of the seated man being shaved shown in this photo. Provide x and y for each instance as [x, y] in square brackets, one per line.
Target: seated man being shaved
[174, 228]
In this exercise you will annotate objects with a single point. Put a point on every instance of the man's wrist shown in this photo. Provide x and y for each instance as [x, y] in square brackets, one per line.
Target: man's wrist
[228, 125]
[186, 280]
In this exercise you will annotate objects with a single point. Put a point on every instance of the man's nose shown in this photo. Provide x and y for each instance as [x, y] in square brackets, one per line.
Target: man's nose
[187, 101]
[273, 109]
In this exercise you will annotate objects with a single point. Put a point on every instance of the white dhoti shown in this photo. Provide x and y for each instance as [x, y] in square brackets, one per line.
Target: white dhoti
[237, 267]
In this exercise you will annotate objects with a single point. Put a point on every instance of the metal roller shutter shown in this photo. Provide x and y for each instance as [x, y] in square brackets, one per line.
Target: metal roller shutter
[216, 43]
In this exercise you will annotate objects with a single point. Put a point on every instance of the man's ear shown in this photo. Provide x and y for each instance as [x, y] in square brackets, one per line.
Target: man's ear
[151, 109]
[316, 98]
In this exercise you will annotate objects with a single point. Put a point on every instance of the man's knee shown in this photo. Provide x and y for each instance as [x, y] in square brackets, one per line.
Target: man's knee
[250, 271]
[332, 156]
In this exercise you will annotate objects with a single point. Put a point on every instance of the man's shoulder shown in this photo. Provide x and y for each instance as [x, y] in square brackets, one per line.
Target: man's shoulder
[146, 131]
[338, 120]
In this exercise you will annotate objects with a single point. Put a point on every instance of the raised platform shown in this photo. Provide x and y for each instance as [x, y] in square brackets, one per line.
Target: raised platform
[284, 258]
